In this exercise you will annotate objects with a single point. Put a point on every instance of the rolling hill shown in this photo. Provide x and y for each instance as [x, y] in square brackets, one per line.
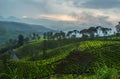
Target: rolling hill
[63, 62]
[10, 30]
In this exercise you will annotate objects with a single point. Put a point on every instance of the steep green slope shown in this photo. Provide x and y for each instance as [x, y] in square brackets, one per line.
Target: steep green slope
[106, 60]
[34, 49]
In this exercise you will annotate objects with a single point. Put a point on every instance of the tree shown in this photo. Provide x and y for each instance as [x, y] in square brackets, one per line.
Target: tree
[26, 40]
[44, 44]
[4, 57]
[75, 31]
[92, 31]
[20, 39]
[84, 33]
[38, 36]
[33, 36]
[118, 28]
[44, 49]
[62, 34]
[56, 35]
[12, 42]
[49, 35]
[98, 28]
[105, 30]
[45, 35]
[69, 33]
[59, 35]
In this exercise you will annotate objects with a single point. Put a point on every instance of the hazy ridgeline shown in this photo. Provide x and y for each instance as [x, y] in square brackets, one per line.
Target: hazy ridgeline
[91, 53]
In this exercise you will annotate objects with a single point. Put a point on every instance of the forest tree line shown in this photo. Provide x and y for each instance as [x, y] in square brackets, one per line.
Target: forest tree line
[85, 34]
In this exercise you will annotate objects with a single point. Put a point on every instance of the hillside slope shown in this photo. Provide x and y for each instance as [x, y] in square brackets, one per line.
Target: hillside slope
[10, 30]
[63, 60]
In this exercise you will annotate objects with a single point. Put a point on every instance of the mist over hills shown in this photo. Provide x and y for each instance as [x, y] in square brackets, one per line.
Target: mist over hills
[10, 30]
[11, 26]
[53, 24]
[60, 25]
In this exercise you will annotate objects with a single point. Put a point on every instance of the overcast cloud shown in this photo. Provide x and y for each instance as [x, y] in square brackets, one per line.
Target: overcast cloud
[79, 12]
[101, 4]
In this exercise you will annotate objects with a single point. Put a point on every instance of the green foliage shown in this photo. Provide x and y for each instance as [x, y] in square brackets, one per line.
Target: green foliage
[104, 66]
[4, 76]
[1, 66]
[12, 73]
[107, 73]
[34, 49]
[77, 62]
[28, 70]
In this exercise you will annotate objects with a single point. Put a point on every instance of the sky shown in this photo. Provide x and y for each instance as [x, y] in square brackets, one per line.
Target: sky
[63, 13]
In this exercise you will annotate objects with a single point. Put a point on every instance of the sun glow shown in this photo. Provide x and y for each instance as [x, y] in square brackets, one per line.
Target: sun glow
[24, 16]
[58, 17]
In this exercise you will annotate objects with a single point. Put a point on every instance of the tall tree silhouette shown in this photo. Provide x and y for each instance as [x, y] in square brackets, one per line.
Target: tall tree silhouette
[75, 32]
[84, 33]
[69, 33]
[105, 31]
[118, 28]
[49, 35]
[45, 35]
[44, 44]
[57, 35]
[98, 28]
[20, 39]
[92, 31]
[62, 35]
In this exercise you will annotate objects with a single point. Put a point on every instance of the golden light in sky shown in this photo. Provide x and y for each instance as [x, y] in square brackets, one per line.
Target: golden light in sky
[58, 17]
[24, 16]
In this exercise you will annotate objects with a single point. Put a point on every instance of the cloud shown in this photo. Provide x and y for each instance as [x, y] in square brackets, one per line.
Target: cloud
[66, 13]
[100, 4]
[90, 19]
[58, 17]
[84, 20]
[25, 17]
[34, 7]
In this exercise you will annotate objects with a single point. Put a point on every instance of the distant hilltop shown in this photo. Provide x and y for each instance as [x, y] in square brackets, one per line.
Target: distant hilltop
[10, 30]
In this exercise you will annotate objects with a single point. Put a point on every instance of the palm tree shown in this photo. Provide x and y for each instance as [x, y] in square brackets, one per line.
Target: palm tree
[105, 31]
[44, 35]
[75, 31]
[57, 35]
[20, 39]
[62, 34]
[84, 33]
[49, 35]
[44, 44]
[118, 28]
[92, 31]
[98, 28]
[69, 33]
